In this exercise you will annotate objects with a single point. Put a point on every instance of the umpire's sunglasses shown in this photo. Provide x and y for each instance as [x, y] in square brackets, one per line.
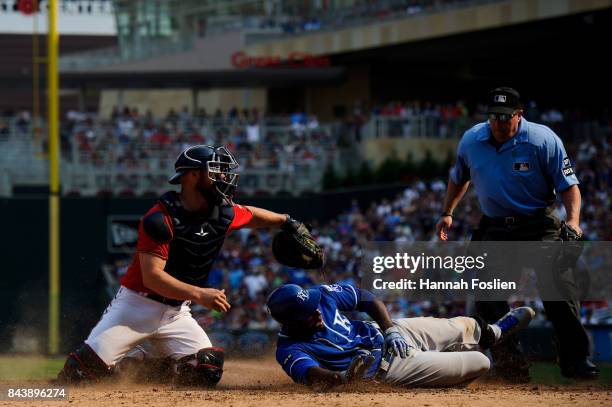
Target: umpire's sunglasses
[502, 117]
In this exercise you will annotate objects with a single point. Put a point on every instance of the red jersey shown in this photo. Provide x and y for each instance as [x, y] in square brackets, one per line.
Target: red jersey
[147, 244]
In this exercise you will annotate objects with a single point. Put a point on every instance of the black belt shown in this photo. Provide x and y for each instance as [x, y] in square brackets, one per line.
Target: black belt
[164, 300]
[515, 219]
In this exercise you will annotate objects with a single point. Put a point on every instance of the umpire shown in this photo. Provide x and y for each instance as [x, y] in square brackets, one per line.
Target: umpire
[517, 167]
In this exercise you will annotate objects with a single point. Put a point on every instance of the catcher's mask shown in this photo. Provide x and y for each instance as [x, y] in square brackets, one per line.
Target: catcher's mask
[290, 304]
[219, 163]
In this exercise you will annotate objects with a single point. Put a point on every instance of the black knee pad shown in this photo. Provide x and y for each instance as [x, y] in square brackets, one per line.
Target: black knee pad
[83, 365]
[205, 368]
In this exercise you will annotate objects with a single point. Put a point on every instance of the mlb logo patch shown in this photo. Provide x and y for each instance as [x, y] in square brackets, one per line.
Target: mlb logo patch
[499, 98]
[521, 166]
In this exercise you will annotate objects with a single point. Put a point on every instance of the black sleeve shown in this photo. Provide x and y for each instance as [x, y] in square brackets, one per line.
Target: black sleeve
[365, 300]
[156, 227]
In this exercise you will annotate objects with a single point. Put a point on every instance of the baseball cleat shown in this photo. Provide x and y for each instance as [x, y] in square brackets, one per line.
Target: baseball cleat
[515, 320]
[580, 370]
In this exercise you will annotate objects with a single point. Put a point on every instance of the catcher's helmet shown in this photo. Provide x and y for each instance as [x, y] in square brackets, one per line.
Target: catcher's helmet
[219, 163]
[290, 303]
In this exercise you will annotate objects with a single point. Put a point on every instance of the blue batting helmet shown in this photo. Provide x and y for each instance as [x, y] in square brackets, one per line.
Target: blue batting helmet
[290, 303]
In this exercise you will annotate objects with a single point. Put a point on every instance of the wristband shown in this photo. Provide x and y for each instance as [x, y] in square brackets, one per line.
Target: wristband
[446, 214]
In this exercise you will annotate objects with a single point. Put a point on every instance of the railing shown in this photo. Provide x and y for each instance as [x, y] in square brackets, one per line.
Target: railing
[132, 182]
[270, 128]
[421, 125]
[434, 126]
[114, 55]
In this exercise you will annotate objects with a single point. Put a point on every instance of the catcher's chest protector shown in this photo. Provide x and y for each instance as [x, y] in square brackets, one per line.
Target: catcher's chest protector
[197, 239]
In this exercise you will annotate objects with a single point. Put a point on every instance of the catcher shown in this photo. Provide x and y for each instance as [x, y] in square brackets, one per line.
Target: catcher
[320, 347]
[178, 241]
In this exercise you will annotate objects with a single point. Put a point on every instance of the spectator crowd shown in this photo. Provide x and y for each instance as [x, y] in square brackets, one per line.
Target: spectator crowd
[130, 153]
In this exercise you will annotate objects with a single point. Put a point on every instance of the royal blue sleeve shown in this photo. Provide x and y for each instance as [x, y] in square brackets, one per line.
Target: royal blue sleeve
[345, 295]
[558, 165]
[460, 172]
[295, 362]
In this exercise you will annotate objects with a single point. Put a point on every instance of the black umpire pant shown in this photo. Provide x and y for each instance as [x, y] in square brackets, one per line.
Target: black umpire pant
[572, 339]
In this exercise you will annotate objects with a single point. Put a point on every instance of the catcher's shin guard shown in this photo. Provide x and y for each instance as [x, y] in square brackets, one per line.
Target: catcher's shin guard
[205, 368]
[83, 365]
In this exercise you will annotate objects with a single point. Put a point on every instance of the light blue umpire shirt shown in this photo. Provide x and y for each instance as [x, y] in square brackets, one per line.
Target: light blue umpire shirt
[520, 176]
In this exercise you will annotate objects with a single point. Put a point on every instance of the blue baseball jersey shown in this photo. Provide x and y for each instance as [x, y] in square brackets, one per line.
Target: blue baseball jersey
[520, 176]
[334, 347]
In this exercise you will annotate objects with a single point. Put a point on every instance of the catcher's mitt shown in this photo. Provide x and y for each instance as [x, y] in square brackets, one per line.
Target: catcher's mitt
[294, 246]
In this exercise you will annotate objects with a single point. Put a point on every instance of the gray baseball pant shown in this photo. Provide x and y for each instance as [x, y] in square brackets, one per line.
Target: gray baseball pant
[445, 353]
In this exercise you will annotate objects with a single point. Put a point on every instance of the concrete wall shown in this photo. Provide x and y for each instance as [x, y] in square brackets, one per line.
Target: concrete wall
[208, 54]
[225, 99]
[377, 150]
[160, 101]
[321, 100]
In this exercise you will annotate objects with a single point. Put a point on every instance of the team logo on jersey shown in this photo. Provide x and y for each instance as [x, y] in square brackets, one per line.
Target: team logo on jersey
[566, 162]
[521, 166]
[303, 295]
[332, 287]
[499, 98]
[343, 321]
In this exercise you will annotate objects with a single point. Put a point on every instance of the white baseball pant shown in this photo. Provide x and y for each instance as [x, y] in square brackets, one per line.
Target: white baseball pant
[132, 318]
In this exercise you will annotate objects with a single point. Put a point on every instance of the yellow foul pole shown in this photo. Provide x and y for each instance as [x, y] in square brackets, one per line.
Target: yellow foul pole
[53, 132]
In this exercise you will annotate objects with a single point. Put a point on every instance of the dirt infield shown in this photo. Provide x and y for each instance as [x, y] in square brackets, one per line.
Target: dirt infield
[263, 384]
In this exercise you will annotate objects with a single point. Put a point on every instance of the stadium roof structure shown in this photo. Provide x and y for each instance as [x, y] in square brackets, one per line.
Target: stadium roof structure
[203, 79]
[171, 54]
